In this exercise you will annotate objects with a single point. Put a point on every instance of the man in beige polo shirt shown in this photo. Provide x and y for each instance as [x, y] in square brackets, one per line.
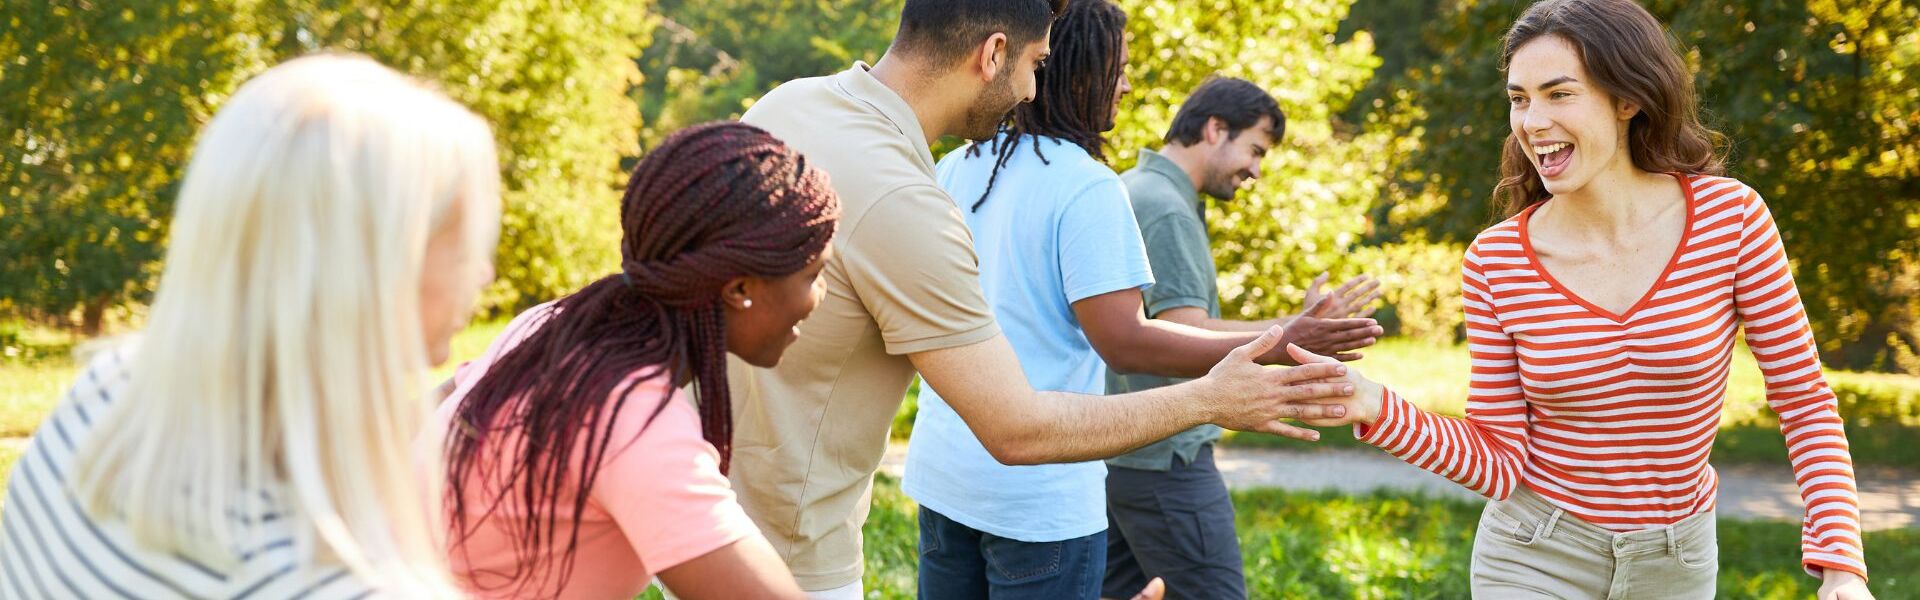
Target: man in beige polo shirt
[903, 295]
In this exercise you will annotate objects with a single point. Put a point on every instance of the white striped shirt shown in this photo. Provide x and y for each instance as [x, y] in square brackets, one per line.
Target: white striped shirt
[51, 548]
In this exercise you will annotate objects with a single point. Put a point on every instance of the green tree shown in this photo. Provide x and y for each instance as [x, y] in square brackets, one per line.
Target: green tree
[1308, 211]
[101, 106]
[98, 106]
[716, 56]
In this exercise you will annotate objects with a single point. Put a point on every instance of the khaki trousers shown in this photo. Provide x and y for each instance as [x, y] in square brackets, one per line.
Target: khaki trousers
[1527, 548]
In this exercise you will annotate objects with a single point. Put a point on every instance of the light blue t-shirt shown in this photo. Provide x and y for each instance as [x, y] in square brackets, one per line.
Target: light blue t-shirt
[1051, 234]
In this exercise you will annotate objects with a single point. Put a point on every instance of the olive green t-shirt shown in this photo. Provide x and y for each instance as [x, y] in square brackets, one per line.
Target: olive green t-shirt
[1172, 222]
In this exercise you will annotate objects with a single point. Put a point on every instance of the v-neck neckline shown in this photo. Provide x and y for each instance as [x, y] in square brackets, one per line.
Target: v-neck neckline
[1686, 235]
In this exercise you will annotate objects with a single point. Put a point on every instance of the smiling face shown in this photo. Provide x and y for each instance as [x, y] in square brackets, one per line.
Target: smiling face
[764, 313]
[1572, 130]
[1234, 159]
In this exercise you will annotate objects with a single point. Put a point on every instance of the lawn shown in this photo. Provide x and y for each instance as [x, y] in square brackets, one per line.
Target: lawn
[1306, 544]
[1318, 545]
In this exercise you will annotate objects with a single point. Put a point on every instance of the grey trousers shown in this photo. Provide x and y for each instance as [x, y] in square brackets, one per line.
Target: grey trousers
[1528, 548]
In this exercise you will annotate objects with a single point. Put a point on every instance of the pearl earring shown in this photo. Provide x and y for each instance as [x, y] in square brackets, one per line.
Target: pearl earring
[746, 303]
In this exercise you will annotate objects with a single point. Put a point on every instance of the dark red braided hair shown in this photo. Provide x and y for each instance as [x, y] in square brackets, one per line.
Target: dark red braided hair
[712, 203]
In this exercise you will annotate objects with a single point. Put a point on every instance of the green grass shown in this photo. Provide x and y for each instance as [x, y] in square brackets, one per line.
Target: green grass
[1385, 545]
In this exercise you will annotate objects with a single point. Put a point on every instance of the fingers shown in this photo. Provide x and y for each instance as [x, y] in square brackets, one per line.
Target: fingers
[1349, 356]
[1318, 306]
[1346, 289]
[1285, 430]
[1342, 341]
[1308, 411]
[1363, 296]
[1306, 357]
[1259, 346]
[1322, 368]
[1305, 392]
[1154, 591]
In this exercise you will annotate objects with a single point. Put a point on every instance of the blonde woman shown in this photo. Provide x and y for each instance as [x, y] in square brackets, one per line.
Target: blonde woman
[332, 231]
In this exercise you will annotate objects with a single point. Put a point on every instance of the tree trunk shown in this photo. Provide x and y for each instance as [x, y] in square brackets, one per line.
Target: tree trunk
[91, 317]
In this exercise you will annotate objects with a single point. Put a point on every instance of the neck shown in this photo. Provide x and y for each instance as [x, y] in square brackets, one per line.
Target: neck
[1190, 161]
[935, 104]
[1615, 204]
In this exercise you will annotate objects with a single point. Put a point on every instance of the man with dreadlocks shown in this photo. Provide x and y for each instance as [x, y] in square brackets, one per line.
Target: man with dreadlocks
[904, 295]
[1062, 264]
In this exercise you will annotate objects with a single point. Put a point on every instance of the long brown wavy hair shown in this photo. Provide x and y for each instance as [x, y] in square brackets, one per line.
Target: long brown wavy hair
[712, 203]
[1630, 57]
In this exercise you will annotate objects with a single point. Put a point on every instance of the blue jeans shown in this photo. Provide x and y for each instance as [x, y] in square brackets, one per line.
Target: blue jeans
[960, 562]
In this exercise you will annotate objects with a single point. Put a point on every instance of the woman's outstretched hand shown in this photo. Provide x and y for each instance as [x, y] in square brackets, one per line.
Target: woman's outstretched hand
[1836, 584]
[1363, 405]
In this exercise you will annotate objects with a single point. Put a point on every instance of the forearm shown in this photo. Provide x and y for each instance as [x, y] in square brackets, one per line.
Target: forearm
[1481, 453]
[1061, 427]
[1171, 349]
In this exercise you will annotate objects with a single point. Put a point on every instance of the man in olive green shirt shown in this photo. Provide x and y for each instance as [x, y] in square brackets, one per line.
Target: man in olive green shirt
[1169, 514]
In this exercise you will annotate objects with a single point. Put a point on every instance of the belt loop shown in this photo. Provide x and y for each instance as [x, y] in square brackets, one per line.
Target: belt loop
[1553, 520]
[1673, 542]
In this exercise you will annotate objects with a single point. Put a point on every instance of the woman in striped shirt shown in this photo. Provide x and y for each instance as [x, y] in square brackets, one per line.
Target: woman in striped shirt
[331, 233]
[1601, 319]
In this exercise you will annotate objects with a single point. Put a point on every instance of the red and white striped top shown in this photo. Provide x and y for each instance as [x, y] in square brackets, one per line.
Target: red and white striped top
[1611, 417]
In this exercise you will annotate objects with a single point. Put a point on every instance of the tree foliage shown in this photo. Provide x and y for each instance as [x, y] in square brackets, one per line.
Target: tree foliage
[101, 105]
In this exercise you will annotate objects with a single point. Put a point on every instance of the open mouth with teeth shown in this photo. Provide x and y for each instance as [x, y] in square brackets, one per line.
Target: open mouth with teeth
[1553, 158]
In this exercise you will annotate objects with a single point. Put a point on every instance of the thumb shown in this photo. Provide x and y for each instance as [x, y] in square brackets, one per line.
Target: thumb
[1260, 345]
[1154, 590]
[1304, 356]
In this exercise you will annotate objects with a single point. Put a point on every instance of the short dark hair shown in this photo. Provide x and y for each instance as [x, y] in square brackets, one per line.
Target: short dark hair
[1237, 102]
[945, 30]
[1073, 97]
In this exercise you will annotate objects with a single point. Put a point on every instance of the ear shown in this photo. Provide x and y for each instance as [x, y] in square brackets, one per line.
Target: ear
[1216, 132]
[738, 293]
[1625, 109]
[992, 55]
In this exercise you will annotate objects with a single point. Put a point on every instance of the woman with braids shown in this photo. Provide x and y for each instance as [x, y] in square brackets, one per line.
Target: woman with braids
[576, 465]
[1062, 264]
[1602, 315]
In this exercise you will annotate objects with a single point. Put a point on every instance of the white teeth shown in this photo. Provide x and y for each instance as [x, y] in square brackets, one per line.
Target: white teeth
[1543, 151]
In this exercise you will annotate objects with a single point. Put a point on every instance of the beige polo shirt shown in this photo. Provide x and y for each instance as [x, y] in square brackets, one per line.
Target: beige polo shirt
[809, 434]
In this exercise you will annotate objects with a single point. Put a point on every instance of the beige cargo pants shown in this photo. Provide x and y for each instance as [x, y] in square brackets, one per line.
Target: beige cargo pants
[1527, 548]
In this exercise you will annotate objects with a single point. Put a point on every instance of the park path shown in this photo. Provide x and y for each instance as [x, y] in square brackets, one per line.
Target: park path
[1889, 498]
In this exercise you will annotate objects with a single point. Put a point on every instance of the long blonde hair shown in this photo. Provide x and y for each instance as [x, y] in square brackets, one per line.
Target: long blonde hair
[284, 354]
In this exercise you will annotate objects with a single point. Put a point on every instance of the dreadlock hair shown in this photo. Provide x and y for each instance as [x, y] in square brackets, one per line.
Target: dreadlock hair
[712, 203]
[1074, 94]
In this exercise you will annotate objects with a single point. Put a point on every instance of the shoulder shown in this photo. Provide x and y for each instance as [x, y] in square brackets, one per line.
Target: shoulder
[1497, 241]
[1713, 195]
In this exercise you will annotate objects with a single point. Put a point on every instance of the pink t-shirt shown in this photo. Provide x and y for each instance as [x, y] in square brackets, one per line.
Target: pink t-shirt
[659, 499]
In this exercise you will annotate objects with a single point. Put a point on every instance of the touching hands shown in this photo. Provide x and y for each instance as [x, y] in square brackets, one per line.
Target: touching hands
[1360, 406]
[1245, 396]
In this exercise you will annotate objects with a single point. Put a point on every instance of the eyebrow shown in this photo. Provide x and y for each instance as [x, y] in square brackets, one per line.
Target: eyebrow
[1515, 87]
